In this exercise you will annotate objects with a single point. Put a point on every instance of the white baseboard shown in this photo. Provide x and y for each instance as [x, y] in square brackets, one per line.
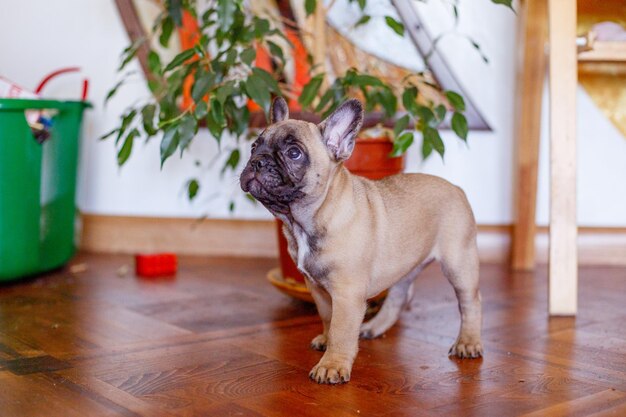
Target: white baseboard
[596, 246]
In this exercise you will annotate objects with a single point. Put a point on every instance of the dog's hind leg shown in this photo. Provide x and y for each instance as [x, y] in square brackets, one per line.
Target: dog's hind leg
[461, 267]
[398, 297]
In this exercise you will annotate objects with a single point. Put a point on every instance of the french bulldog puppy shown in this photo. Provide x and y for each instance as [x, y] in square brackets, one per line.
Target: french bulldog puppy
[353, 238]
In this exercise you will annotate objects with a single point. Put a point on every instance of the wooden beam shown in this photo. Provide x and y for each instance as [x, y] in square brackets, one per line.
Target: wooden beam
[319, 41]
[135, 31]
[531, 71]
[563, 267]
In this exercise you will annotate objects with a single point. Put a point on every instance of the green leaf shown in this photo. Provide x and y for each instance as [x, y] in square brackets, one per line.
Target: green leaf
[455, 100]
[202, 85]
[154, 62]
[206, 16]
[257, 90]
[169, 143]
[225, 91]
[214, 127]
[432, 135]
[186, 131]
[112, 91]
[231, 206]
[174, 8]
[204, 42]
[395, 25]
[363, 80]
[251, 198]
[261, 27]
[192, 189]
[347, 79]
[226, 13]
[147, 114]
[507, 3]
[276, 51]
[168, 108]
[282, 35]
[240, 118]
[230, 58]
[401, 125]
[324, 100]
[372, 99]
[153, 85]
[440, 112]
[201, 110]
[362, 4]
[233, 160]
[180, 58]
[363, 20]
[425, 114]
[130, 52]
[310, 90]
[427, 148]
[217, 112]
[267, 78]
[248, 56]
[109, 134]
[126, 120]
[478, 49]
[309, 6]
[388, 100]
[402, 143]
[166, 31]
[127, 147]
[459, 125]
[408, 99]
[199, 50]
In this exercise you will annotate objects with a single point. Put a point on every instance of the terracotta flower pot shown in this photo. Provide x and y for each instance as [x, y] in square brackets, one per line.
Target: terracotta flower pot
[370, 159]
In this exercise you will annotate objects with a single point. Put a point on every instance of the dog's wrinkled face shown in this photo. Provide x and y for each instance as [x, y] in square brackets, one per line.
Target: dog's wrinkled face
[293, 159]
[277, 167]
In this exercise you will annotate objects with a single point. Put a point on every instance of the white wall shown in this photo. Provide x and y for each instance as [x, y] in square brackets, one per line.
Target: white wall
[38, 36]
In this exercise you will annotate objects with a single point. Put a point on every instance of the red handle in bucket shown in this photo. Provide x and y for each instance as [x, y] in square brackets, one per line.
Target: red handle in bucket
[63, 71]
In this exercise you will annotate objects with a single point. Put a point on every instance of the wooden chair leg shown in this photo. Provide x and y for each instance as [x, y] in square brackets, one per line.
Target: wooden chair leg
[563, 268]
[530, 78]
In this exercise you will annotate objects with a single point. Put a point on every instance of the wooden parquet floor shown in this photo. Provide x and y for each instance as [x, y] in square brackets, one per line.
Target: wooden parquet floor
[218, 340]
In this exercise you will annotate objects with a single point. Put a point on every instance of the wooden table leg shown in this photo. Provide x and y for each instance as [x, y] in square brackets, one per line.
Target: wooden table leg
[563, 268]
[531, 74]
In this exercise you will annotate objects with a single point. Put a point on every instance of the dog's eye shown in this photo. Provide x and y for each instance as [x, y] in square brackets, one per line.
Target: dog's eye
[294, 153]
[253, 146]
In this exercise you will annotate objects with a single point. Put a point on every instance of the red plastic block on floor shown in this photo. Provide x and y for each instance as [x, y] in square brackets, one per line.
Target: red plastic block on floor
[155, 265]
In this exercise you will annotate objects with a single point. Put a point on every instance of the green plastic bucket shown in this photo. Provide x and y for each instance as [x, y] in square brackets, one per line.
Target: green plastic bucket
[37, 187]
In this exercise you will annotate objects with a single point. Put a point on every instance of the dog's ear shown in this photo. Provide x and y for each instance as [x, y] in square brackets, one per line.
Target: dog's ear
[339, 130]
[279, 110]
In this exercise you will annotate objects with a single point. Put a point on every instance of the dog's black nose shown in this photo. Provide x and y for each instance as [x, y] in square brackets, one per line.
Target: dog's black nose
[258, 163]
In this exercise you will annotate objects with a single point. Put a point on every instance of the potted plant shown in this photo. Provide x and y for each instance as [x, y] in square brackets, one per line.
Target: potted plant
[234, 59]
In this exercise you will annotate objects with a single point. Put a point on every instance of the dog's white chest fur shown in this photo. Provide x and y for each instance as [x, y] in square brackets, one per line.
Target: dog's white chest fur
[302, 242]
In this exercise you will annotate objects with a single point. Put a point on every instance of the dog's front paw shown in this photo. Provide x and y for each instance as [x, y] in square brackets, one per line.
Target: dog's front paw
[330, 372]
[319, 342]
[466, 349]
